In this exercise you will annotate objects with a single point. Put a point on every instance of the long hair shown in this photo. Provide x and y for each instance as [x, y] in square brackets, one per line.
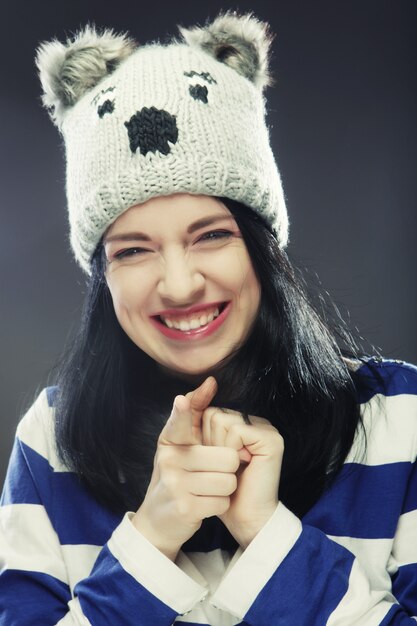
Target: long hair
[112, 400]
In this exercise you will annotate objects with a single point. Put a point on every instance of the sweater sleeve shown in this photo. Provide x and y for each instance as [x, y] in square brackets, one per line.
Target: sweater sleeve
[353, 558]
[308, 579]
[129, 581]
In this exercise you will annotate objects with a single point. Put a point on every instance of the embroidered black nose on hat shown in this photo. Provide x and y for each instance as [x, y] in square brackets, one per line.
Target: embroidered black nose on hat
[145, 121]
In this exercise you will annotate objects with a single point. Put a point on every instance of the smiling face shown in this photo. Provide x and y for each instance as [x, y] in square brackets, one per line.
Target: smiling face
[182, 283]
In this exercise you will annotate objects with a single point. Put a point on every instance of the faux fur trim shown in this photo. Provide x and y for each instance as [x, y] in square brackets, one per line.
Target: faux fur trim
[68, 70]
[240, 41]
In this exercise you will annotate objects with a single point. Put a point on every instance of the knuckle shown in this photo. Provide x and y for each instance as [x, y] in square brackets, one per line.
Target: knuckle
[236, 431]
[217, 418]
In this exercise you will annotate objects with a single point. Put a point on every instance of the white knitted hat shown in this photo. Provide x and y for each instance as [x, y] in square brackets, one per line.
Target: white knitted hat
[145, 121]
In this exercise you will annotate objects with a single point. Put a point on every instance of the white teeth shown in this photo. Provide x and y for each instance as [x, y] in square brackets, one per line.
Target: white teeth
[192, 322]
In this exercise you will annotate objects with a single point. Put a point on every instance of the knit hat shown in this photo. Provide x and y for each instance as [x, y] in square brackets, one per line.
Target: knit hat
[162, 118]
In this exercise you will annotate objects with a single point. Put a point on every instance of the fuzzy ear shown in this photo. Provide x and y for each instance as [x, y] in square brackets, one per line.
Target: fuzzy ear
[68, 70]
[240, 41]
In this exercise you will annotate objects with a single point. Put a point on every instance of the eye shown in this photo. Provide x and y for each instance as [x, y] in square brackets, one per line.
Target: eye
[199, 92]
[106, 107]
[214, 235]
[129, 253]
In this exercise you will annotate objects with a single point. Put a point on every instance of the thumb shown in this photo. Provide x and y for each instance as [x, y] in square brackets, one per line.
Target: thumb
[184, 424]
[202, 396]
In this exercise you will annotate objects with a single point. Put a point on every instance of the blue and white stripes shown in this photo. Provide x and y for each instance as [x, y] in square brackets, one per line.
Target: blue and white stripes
[352, 560]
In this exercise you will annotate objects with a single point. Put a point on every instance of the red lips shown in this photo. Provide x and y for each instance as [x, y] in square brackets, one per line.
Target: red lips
[192, 309]
[196, 333]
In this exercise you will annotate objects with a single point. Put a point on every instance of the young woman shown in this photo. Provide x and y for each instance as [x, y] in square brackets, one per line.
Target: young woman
[208, 454]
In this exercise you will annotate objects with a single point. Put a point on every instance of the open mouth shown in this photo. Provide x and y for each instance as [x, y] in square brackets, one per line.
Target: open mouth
[194, 321]
[196, 324]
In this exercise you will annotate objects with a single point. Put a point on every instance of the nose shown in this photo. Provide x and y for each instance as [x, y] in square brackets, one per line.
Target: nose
[180, 282]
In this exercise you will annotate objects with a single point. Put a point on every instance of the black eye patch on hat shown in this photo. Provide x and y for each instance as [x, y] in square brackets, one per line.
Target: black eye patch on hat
[106, 107]
[200, 92]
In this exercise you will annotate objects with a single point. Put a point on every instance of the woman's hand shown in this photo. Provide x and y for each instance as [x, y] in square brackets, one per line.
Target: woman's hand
[260, 448]
[190, 481]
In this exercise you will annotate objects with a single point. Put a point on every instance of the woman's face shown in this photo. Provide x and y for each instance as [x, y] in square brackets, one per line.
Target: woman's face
[182, 283]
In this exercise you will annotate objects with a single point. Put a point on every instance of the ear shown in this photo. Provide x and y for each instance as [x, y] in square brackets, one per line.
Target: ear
[240, 41]
[67, 71]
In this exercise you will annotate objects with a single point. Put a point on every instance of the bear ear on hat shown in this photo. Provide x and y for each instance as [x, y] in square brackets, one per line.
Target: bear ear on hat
[240, 41]
[68, 70]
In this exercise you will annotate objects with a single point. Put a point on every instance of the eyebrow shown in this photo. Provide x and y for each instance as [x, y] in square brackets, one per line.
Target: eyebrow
[137, 236]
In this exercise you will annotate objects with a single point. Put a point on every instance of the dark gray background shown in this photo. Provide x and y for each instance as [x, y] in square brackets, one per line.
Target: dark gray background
[343, 119]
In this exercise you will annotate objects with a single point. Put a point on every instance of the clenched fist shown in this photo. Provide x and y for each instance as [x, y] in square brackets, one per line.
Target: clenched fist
[260, 448]
[210, 462]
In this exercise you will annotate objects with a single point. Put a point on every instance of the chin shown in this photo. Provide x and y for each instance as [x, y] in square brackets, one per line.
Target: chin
[197, 373]
[194, 371]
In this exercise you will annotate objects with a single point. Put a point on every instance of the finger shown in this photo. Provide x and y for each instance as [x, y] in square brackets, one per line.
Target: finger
[200, 399]
[209, 459]
[211, 483]
[262, 440]
[184, 424]
[206, 425]
[221, 421]
[215, 426]
[202, 396]
[179, 429]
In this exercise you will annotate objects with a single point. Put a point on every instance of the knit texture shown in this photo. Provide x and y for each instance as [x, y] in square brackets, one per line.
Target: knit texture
[351, 560]
[167, 119]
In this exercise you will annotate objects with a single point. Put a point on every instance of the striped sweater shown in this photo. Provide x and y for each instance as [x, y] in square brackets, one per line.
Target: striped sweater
[352, 559]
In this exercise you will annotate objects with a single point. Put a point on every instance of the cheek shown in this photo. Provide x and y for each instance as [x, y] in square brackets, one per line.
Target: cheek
[241, 276]
[255, 292]
[126, 298]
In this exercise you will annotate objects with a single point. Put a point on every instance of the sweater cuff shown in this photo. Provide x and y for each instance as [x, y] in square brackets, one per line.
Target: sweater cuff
[153, 570]
[256, 565]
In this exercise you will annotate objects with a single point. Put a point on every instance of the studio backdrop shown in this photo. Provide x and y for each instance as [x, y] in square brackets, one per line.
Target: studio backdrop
[343, 123]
